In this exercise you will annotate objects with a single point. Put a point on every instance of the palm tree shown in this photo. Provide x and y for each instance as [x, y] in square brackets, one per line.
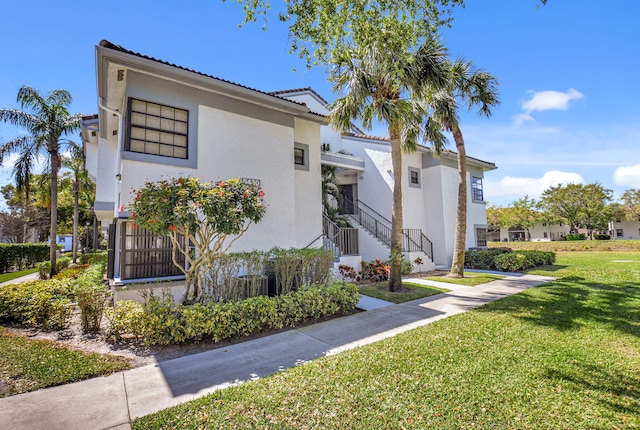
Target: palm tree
[474, 87]
[47, 120]
[75, 163]
[381, 83]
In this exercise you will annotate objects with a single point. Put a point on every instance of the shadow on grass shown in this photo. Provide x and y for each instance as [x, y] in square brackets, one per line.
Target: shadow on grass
[619, 391]
[571, 302]
[549, 268]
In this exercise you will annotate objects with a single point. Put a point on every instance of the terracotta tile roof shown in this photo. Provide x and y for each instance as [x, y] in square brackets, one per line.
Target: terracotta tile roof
[106, 44]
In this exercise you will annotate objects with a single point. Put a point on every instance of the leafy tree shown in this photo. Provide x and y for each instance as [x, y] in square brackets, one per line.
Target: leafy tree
[47, 120]
[521, 214]
[580, 205]
[320, 31]
[81, 185]
[631, 204]
[331, 196]
[494, 217]
[473, 87]
[28, 220]
[199, 217]
[381, 83]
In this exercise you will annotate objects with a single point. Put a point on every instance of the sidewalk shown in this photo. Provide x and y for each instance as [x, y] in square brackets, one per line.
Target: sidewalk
[113, 402]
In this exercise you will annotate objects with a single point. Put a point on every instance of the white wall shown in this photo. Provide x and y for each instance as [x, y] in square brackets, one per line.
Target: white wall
[630, 230]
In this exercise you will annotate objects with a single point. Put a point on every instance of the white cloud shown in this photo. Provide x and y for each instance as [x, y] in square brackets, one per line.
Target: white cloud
[546, 100]
[517, 187]
[627, 176]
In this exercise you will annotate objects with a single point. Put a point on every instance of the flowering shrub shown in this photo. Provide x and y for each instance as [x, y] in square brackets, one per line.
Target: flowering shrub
[374, 271]
[198, 213]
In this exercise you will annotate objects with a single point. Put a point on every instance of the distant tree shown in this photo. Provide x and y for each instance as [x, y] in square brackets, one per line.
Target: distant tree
[521, 214]
[582, 206]
[30, 216]
[472, 87]
[80, 184]
[631, 204]
[47, 120]
[494, 217]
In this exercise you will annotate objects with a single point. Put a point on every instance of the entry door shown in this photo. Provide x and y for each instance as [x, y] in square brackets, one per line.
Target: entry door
[348, 198]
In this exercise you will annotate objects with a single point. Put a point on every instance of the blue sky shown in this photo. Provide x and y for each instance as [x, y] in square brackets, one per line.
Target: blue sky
[570, 108]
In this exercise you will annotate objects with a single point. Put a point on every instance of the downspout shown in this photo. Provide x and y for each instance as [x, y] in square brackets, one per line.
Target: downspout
[118, 176]
[119, 148]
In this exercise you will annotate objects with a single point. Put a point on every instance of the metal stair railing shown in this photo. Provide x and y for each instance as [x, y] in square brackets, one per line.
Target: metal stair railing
[413, 239]
[344, 240]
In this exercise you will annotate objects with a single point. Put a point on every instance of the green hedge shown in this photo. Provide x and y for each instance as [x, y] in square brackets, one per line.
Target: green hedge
[160, 321]
[46, 303]
[484, 258]
[576, 236]
[22, 255]
[522, 260]
[507, 260]
[37, 303]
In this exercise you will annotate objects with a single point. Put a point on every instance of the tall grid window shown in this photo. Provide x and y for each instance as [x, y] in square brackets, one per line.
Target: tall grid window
[476, 188]
[481, 237]
[157, 129]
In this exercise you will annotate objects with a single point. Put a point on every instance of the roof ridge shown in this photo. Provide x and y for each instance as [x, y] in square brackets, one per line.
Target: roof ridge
[107, 44]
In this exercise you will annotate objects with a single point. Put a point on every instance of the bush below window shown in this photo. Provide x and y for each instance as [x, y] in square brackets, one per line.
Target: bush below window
[576, 236]
[160, 322]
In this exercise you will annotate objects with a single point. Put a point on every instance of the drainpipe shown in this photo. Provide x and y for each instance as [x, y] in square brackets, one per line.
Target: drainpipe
[103, 106]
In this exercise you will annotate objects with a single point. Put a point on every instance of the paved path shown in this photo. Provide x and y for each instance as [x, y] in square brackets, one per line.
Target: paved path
[112, 402]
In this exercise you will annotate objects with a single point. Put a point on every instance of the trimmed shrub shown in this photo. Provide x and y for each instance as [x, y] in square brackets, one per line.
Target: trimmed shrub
[44, 267]
[159, 321]
[601, 237]
[22, 255]
[522, 260]
[42, 304]
[91, 295]
[93, 257]
[576, 236]
[483, 259]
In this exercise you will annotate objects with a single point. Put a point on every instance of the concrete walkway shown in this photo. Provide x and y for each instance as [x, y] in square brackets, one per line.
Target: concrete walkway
[112, 402]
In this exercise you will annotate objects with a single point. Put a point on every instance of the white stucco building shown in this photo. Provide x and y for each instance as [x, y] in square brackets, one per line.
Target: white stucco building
[430, 187]
[621, 230]
[158, 120]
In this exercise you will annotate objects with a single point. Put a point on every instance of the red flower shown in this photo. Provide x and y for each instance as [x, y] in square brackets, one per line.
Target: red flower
[246, 195]
[261, 194]
[222, 184]
[135, 225]
[221, 193]
[133, 215]
[172, 227]
[121, 208]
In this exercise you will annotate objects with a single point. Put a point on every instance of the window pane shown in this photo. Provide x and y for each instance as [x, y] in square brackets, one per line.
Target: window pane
[157, 129]
[299, 156]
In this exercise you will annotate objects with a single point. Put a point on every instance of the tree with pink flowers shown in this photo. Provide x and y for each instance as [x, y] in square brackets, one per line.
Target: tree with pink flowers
[202, 219]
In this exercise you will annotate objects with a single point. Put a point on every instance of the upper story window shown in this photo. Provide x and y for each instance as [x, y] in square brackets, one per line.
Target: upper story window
[157, 129]
[301, 156]
[414, 177]
[476, 188]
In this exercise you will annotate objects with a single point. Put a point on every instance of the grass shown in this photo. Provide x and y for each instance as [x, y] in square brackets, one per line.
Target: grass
[573, 245]
[27, 364]
[13, 275]
[410, 291]
[563, 355]
[470, 279]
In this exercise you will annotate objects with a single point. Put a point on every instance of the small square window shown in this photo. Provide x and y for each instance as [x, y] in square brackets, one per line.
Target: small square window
[300, 156]
[414, 177]
[619, 233]
[544, 234]
[481, 237]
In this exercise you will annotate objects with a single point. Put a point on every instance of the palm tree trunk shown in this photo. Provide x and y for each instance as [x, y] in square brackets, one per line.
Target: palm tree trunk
[76, 216]
[395, 276]
[457, 264]
[53, 155]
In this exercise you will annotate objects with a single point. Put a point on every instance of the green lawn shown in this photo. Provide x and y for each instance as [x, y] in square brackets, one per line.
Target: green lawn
[563, 355]
[410, 291]
[471, 279]
[13, 275]
[27, 365]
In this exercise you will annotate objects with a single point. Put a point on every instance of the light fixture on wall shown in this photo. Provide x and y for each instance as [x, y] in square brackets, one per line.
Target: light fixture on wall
[119, 177]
